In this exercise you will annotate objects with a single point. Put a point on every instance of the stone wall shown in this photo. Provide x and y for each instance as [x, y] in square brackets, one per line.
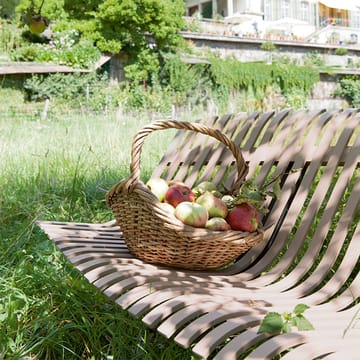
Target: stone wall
[322, 96]
[250, 49]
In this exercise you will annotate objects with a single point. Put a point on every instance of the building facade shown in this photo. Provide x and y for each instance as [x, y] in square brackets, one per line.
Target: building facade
[345, 13]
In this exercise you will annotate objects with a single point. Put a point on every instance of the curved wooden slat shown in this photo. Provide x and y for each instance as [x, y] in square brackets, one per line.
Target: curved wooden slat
[172, 159]
[196, 329]
[207, 317]
[293, 182]
[169, 308]
[325, 223]
[221, 334]
[239, 344]
[210, 157]
[283, 153]
[310, 350]
[276, 345]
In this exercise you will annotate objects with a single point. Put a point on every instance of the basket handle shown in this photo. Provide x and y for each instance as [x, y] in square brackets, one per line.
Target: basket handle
[140, 136]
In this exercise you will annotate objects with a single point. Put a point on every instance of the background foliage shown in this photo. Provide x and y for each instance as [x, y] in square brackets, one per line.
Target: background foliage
[146, 34]
[179, 85]
[7, 8]
[350, 89]
[138, 28]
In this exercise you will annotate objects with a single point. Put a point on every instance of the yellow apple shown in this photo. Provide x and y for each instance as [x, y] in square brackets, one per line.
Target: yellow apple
[158, 187]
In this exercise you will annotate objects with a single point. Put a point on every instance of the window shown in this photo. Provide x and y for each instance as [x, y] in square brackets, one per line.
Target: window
[267, 10]
[304, 11]
[356, 19]
[285, 8]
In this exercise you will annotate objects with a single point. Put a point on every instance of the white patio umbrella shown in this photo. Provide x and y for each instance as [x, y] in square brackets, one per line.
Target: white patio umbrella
[238, 18]
[351, 5]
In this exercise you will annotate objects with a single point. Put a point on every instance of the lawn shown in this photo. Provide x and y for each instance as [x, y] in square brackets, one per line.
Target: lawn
[60, 170]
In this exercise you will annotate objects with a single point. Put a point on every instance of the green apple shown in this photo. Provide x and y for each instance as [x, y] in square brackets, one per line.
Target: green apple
[158, 187]
[203, 187]
[192, 214]
[206, 186]
[215, 206]
[217, 224]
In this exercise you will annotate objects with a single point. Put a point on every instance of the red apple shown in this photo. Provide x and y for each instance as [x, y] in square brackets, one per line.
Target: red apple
[158, 186]
[244, 217]
[191, 213]
[217, 224]
[179, 193]
[215, 206]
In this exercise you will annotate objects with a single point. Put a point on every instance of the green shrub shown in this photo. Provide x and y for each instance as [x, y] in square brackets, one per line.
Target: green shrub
[268, 46]
[182, 85]
[350, 89]
[232, 75]
[75, 89]
[148, 99]
[10, 37]
[26, 53]
[284, 59]
[296, 98]
[188, 83]
[63, 48]
[192, 25]
[341, 51]
[313, 59]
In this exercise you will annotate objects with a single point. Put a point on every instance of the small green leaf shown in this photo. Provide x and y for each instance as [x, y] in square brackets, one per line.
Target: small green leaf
[286, 328]
[302, 323]
[272, 323]
[276, 189]
[300, 308]
[287, 316]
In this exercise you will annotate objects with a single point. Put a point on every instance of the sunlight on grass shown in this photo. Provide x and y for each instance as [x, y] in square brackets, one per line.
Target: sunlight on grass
[60, 170]
[98, 142]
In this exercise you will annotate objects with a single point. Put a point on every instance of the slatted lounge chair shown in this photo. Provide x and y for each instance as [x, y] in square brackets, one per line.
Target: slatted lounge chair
[310, 253]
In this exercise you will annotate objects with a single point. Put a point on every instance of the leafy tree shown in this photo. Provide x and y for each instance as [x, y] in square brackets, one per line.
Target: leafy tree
[139, 28]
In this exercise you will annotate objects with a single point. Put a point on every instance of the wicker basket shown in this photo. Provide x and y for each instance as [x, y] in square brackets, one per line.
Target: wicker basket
[157, 237]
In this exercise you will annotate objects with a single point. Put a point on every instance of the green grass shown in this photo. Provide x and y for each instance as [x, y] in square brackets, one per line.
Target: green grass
[59, 170]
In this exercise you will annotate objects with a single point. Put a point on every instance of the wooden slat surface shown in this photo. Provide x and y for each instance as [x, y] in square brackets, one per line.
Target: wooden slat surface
[217, 313]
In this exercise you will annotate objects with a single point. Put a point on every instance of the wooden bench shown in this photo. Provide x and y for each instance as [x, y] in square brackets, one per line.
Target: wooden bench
[310, 254]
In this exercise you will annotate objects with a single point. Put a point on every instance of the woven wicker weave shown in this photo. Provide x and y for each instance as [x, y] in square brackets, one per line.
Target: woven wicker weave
[154, 235]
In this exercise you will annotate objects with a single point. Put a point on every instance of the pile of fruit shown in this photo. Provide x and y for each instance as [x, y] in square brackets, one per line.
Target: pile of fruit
[204, 206]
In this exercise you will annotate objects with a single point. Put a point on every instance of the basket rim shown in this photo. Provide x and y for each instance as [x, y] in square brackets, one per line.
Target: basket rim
[130, 183]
